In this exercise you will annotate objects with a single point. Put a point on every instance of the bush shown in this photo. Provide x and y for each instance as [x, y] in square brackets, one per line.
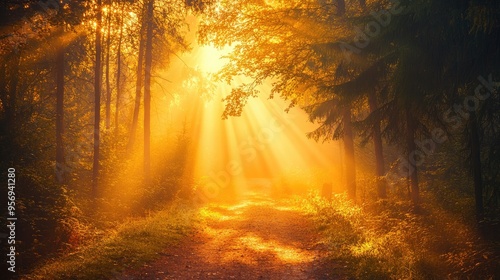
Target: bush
[385, 240]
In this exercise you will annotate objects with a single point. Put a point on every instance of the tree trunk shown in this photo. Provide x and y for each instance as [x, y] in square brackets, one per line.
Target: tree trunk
[379, 154]
[97, 101]
[349, 154]
[138, 86]
[108, 83]
[60, 161]
[118, 71]
[413, 168]
[341, 164]
[147, 91]
[475, 149]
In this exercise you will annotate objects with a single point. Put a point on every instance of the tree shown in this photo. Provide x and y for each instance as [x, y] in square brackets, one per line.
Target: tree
[432, 75]
[108, 82]
[147, 89]
[302, 73]
[350, 165]
[119, 68]
[162, 38]
[378, 148]
[138, 83]
[97, 99]
[475, 158]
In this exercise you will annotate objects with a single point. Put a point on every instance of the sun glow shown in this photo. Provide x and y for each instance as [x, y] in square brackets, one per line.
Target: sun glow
[258, 150]
[265, 150]
[211, 59]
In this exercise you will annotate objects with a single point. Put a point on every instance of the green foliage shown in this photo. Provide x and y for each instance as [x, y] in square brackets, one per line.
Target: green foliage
[418, 64]
[129, 246]
[384, 240]
[57, 218]
[426, 61]
[173, 179]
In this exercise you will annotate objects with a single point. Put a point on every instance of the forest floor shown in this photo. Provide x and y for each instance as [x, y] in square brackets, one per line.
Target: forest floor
[256, 238]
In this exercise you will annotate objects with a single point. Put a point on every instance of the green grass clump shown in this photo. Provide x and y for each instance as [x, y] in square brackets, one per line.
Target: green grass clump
[131, 245]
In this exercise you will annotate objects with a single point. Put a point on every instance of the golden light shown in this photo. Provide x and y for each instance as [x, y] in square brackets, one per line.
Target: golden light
[132, 14]
[253, 245]
[211, 59]
[260, 149]
[207, 213]
[264, 150]
[286, 254]
[365, 248]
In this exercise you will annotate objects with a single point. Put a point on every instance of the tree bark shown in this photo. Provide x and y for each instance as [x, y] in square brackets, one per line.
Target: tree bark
[97, 101]
[379, 154]
[147, 91]
[118, 72]
[413, 168]
[349, 154]
[475, 149]
[108, 83]
[138, 86]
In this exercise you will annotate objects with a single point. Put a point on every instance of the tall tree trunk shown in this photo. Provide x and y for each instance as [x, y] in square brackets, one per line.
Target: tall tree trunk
[108, 83]
[475, 149]
[97, 101]
[60, 161]
[118, 71]
[412, 148]
[379, 154]
[138, 85]
[349, 154]
[147, 91]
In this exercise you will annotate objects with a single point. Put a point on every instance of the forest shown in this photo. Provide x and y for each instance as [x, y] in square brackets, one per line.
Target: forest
[250, 139]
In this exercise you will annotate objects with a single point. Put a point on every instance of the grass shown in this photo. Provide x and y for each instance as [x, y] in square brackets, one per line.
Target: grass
[379, 240]
[131, 245]
[386, 240]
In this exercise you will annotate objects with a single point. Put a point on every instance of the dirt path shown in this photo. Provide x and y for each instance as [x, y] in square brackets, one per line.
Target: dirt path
[254, 239]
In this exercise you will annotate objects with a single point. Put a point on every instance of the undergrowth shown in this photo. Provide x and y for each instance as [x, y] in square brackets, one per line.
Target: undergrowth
[129, 246]
[387, 240]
